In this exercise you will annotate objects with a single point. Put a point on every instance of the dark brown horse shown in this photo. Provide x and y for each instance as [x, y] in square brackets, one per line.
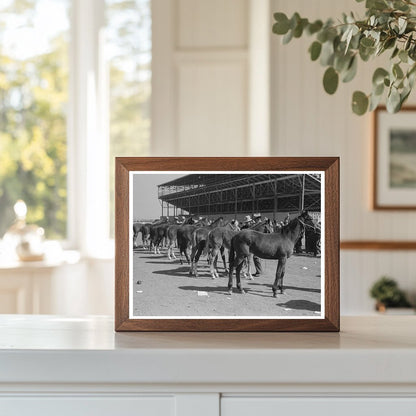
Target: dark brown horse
[144, 229]
[199, 243]
[157, 234]
[276, 246]
[172, 233]
[184, 237]
[219, 239]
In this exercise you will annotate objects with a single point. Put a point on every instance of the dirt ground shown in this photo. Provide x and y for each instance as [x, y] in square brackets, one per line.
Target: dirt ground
[163, 287]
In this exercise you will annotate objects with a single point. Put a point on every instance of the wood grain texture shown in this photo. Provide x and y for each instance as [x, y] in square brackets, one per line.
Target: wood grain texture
[330, 165]
[378, 245]
[376, 205]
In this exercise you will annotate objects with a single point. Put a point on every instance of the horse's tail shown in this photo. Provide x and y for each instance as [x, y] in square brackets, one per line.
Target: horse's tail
[206, 247]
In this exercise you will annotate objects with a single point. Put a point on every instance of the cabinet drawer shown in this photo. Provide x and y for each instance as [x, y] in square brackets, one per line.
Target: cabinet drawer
[87, 406]
[273, 406]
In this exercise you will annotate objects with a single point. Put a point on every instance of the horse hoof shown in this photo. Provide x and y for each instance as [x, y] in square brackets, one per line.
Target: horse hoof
[274, 295]
[242, 291]
[230, 292]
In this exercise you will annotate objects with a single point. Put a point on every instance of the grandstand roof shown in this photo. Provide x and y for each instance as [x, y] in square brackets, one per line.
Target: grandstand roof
[242, 193]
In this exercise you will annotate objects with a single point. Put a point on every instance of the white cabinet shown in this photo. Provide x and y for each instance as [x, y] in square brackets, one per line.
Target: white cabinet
[270, 406]
[88, 406]
[52, 365]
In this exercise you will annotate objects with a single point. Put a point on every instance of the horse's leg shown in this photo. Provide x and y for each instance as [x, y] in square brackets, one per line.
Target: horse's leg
[280, 272]
[181, 254]
[190, 258]
[171, 245]
[222, 249]
[213, 262]
[239, 266]
[230, 277]
[199, 250]
[248, 274]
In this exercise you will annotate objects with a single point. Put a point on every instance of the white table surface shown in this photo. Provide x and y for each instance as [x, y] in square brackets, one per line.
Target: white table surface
[49, 349]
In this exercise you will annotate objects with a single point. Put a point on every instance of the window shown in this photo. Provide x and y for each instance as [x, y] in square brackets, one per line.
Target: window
[33, 103]
[129, 43]
[75, 87]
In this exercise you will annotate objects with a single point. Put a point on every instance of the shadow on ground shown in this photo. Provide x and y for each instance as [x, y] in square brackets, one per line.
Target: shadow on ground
[303, 289]
[304, 305]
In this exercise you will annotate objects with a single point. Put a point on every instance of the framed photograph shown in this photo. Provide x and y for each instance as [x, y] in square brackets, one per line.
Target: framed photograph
[394, 159]
[227, 244]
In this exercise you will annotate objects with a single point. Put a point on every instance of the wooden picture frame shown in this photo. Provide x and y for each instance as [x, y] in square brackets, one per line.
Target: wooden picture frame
[390, 170]
[325, 168]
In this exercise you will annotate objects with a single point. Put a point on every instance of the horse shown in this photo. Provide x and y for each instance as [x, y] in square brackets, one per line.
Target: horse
[136, 229]
[144, 228]
[219, 239]
[276, 246]
[199, 243]
[184, 237]
[157, 233]
[172, 233]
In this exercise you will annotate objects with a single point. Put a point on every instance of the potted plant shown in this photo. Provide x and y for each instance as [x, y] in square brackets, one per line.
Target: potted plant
[387, 294]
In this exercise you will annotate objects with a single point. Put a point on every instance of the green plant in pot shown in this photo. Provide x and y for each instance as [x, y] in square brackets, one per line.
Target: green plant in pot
[389, 27]
[387, 294]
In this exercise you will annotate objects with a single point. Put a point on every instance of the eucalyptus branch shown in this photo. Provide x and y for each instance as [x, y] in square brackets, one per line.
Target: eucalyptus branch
[388, 25]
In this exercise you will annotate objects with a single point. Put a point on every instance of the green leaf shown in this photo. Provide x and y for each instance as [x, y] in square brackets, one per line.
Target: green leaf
[351, 71]
[367, 42]
[359, 103]
[397, 71]
[330, 80]
[374, 101]
[393, 101]
[408, 42]
[288, 37]
[403, 56]
[314, 27]
[379, 75]
[395, 52]
[327, 53]
[376, 4]
[315, 50]
[378, 89]
[389, 43]
[281, 27]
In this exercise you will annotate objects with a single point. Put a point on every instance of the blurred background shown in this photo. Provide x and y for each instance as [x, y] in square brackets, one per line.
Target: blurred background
[83, 81]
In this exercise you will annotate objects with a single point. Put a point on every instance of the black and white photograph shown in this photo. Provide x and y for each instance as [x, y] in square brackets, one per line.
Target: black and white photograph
[226, 244]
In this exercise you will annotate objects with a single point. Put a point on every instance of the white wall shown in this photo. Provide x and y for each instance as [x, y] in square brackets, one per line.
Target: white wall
[203, 83]
[308, 122]
[223, 85]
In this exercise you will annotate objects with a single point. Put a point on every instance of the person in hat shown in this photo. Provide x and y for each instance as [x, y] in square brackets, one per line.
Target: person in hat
[287, 219]
[256, 260]
[248, 223]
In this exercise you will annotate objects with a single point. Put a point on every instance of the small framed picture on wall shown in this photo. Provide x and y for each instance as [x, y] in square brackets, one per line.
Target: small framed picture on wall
[394, 178]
